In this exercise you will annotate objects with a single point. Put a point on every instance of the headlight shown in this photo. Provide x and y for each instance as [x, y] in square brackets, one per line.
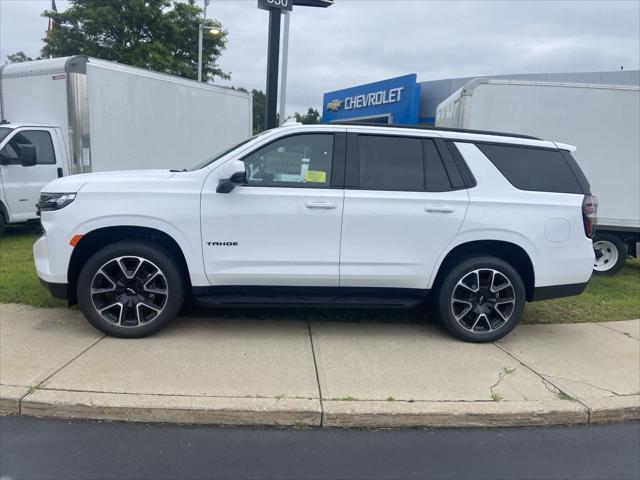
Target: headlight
[54, 201]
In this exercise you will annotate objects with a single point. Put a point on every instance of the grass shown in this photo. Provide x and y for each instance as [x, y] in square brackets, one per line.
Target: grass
[18, 280]
[606, 298]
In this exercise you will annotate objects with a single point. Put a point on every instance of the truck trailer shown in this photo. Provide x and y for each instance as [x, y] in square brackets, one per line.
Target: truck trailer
[602, 121]
[72, 115]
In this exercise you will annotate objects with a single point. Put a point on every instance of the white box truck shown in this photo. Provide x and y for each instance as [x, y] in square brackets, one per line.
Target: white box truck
[71, 115]
[602, 121]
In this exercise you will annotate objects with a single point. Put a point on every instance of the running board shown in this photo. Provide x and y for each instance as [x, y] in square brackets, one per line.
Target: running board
[320, 301]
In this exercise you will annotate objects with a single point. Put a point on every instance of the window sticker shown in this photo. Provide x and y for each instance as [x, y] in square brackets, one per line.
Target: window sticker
[315, 176]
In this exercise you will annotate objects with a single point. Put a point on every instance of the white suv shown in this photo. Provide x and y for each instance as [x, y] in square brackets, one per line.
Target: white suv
[341, 214]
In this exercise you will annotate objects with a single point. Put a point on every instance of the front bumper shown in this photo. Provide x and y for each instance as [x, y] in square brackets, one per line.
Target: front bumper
[57, 290]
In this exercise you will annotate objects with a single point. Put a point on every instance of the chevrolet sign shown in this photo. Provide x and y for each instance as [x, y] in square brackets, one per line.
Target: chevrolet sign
[393, 95]
[397, 99]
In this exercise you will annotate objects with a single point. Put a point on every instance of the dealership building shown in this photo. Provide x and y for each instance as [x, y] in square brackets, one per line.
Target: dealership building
[404, 100]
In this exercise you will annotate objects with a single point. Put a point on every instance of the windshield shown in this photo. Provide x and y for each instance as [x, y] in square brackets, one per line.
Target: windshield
[218, 156]
[4, 131]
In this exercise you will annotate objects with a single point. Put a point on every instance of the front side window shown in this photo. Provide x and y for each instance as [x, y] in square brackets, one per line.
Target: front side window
[297, 161]
[40, 139]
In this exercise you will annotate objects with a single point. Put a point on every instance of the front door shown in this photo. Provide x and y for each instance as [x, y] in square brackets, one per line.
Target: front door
[400, 211]
[283, 227]
[22, 184]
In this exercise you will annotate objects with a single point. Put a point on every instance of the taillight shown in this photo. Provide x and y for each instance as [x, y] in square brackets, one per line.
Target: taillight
[589, 214]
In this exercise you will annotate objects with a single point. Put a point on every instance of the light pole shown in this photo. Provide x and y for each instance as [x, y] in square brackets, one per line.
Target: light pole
[213, 31]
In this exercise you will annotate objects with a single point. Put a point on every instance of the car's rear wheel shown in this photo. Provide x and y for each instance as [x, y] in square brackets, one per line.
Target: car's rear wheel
[130, 289]
[481, 299]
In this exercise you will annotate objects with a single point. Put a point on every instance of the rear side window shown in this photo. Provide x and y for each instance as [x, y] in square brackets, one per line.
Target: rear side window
[536, 169]
[390, 163]
[400, 164]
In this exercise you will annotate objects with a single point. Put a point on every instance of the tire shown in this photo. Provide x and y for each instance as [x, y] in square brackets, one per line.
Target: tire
[611, 253]
[2, 224]
[130, 289]
[469, 312]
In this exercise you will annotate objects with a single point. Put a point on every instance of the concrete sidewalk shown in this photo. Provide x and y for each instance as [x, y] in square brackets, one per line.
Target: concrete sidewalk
[268, 372]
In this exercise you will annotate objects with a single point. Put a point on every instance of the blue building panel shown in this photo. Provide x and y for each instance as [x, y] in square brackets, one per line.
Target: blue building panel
[395, 100]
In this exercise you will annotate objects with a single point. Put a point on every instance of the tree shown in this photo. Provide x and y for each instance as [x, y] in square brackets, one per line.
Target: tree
[18, 57]
[161, 35]
[259, 106]
[310, 118]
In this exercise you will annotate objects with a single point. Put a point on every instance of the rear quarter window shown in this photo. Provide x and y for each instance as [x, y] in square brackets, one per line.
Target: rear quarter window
[534, 169]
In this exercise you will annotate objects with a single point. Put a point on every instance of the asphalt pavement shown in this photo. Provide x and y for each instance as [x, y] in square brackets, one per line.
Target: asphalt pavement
[33, 448]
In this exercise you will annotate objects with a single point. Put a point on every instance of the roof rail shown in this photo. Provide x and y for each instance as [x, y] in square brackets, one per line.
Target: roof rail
[424, 127]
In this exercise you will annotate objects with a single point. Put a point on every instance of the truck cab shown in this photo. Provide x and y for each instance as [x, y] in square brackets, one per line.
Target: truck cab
[31, 155]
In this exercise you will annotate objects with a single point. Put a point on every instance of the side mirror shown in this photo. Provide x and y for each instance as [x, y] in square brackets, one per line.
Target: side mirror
[27, 155]
[237, 179]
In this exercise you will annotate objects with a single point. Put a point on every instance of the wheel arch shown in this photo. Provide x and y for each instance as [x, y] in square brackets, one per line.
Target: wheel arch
[510, 252]
[4, 211]
[101, 237]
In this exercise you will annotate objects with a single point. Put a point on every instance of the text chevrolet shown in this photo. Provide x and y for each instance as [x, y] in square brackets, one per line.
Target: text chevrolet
[342, 215]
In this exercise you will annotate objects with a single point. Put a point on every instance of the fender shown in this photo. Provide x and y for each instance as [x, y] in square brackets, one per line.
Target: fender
[501, 235]
[192, 251]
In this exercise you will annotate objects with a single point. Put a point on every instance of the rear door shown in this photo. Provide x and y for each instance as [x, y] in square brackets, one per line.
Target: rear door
[22, 184]
[403, 204]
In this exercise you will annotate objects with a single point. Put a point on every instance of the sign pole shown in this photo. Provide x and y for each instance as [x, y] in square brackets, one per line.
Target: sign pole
[283, 73]
[273, 54]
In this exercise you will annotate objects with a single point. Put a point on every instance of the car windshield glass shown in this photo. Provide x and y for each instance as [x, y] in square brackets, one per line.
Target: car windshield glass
[210, 160]
[4, 131]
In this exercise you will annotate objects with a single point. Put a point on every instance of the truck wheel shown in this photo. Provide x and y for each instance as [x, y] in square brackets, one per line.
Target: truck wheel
[611, 253]
[481, 299]
[1, 224]
[130, 289]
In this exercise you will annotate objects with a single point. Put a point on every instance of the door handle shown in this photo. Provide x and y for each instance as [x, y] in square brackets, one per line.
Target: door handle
[325, 205]
[439, 209]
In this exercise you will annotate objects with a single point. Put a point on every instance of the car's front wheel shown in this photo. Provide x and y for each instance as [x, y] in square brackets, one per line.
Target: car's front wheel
[130, 289]
[481, 299]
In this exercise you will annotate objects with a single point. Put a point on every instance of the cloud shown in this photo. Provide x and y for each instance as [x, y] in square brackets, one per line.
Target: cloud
[360, 41]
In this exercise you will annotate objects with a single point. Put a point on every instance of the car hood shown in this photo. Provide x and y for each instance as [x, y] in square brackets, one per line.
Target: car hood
[73, 183]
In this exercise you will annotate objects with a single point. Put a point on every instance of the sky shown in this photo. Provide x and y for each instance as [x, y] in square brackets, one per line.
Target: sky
[361, 41]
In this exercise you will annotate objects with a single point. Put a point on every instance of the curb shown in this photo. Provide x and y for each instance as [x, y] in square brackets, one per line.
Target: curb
[298, 412]
[172, 409]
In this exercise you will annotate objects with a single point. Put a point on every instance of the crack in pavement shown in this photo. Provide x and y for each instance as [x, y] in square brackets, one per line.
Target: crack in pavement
[583, 383]
[557, 391]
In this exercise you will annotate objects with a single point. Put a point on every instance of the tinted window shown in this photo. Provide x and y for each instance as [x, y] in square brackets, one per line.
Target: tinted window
[390, 163]
[38, 138]
[436, 176]
[577, 171]
[4, 131]
[299, 161]
[535, 169]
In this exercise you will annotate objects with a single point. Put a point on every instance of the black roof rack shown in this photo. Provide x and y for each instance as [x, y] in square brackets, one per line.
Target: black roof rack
[424, 127]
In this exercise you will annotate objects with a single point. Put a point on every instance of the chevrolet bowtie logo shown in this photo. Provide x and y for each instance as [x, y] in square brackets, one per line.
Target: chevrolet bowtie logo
[334, 105]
